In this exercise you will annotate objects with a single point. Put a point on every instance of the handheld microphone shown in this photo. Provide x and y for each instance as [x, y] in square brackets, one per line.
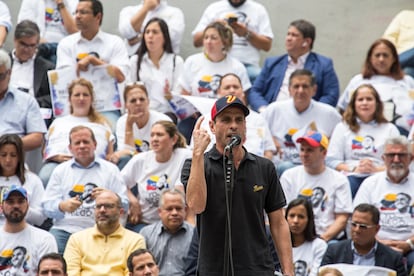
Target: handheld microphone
[235, 140]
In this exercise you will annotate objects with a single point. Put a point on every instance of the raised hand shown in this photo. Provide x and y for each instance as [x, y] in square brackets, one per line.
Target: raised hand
[201, 137]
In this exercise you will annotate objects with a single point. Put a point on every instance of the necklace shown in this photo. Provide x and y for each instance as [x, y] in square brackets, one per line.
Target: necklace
[209, 58]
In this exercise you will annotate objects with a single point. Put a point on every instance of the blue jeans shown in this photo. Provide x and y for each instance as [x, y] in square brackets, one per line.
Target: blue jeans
[136, 228]
[46, 171]
[283, 166]
[252, 71]
[186, 126]
[61, 237]
[410, 260]
[112, 116]
[407, 61]
[123, 161]
[354, 183]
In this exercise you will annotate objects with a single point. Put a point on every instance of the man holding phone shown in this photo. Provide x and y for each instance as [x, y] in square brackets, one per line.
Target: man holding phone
[74, 185]
[251, 27]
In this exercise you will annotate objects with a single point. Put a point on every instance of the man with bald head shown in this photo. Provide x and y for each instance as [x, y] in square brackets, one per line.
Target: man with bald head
[104, 248]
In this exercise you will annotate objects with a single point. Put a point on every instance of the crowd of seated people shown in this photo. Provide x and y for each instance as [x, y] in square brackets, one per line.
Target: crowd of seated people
[113, 158]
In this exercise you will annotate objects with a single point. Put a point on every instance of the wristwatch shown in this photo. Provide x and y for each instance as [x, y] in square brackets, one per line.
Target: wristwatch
[248, 35]
[410, 243]
[60, 6]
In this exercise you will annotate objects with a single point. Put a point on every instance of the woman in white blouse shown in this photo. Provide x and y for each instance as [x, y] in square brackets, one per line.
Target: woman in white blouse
[156, 65]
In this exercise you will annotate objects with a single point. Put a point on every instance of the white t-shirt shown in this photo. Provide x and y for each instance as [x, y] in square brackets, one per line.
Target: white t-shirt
[400, 92]
[284, 121]
[201, 77]
[395, 203]
[251, 13]
[329, 193]
[311, 254]
[170, 69]
[22, 251]
[46, 15]
[346, 146]
[35, 191]
[141, 135]
[57, 137]
[152, 177]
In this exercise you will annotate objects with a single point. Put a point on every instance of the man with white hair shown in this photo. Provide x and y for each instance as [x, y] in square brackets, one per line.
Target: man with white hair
[385, 190]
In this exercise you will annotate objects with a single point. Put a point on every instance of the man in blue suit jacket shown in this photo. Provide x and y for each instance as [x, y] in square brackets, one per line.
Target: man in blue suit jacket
[272, 83]
[363, 248]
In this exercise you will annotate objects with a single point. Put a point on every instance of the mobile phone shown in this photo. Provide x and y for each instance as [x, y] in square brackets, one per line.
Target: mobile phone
[84, 197]
[232, 19]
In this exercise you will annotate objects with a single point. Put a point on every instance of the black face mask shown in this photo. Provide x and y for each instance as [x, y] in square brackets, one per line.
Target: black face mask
[236, 5]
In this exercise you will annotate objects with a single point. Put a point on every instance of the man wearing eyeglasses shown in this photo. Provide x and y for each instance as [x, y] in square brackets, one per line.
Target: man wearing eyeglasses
[363, 248]
[91, 47]
[392, 192]
[20, 113]
[29, 71]
[104, 248]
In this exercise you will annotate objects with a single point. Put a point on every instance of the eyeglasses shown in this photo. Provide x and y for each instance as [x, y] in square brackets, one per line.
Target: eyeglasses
[24, 45]
[401, 155]
[4, 75]
[83, 12]
[135, 83]
[106, 206]
[361, 225]
[170, 209]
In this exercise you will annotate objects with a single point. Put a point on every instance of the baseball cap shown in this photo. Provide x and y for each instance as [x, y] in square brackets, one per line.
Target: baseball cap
[225, 102]
[13, 189]
[314, 139]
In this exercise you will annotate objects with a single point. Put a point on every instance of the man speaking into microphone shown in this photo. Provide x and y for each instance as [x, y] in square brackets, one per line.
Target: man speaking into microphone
[230, 219]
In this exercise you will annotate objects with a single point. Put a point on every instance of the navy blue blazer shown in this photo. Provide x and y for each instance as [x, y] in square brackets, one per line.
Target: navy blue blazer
[267, 85]
[341, 252]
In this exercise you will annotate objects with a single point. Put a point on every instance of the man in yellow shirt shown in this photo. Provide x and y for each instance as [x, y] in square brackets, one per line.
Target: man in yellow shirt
[104, 248]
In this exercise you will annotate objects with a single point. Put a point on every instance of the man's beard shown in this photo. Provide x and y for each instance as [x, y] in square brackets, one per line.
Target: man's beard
[397, 170]
[236, 5]
[110, 221]
[15, 216]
